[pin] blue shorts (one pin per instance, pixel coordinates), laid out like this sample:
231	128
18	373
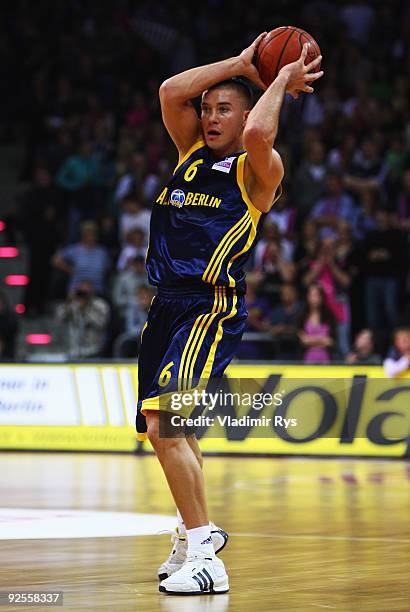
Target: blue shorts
191	335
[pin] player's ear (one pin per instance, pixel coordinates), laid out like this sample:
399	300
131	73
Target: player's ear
245	117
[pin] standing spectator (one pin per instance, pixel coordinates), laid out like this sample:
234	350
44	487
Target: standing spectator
306	248
79	177
363	350
87	317
398	358
382	261
309	181
367	170
403	203
84	261
8	329
38	218
316	328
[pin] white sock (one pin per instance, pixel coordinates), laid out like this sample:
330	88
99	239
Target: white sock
181	524
200	540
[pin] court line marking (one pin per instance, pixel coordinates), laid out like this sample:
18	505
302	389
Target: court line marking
290	536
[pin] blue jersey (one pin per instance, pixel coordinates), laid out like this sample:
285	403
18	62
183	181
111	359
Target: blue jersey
203	223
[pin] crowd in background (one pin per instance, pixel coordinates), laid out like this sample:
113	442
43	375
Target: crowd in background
329	277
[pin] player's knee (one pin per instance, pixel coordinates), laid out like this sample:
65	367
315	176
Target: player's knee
152	418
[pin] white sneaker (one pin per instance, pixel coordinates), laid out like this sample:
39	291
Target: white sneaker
199	575
177	555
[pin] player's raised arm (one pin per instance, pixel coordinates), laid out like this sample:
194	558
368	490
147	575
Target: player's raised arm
264	169
176	93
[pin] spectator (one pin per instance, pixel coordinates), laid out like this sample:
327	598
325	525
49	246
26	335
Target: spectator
134	216
136	316
382	261
283	216
398	358
335	281
126	283
363	350
258	319
85	260
86	317
284	322
134	246
38	219
79	177
309	181
367	170
306	248
272	261
316	327
403	203
8	329
335	205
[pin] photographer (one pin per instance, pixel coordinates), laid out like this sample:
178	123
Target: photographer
87	318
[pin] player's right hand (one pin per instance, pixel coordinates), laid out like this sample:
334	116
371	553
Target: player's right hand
248	68
300	75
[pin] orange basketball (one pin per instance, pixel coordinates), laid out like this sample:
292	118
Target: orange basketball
280	47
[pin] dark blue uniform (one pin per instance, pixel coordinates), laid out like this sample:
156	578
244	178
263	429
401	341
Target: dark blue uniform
203	226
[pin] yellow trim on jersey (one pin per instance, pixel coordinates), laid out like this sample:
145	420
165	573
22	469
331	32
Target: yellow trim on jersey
220	308
235	238
240	177
206	372
200	143
217	253
191	341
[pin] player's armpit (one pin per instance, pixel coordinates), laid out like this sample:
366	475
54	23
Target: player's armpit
180	118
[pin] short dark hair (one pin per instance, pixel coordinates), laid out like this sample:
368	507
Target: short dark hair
241	85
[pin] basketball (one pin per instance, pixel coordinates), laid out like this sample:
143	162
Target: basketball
280	47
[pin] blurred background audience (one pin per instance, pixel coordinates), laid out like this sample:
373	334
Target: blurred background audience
329	279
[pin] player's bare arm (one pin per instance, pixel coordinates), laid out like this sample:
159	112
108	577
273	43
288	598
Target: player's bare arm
264	168
179	115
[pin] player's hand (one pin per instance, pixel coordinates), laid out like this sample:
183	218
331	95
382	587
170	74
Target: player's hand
248	68
300	75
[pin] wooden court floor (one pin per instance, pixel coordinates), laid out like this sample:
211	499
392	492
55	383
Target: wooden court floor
306	534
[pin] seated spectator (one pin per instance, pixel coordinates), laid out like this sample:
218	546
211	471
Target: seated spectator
134	216
398	358
335	205
138	308
363	350
284	322
316	327
84	261
272	262
306	248
403	203
8	329
128	343
134	246
283	215
334	278
86	317
126	283
257	321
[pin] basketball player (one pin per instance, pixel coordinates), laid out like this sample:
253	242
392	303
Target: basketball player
203	225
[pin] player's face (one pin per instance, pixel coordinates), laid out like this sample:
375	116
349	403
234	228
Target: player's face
223	117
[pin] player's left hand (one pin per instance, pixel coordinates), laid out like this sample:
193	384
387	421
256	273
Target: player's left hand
300	75
248	68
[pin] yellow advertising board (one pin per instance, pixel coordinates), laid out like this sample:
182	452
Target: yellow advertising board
313	410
